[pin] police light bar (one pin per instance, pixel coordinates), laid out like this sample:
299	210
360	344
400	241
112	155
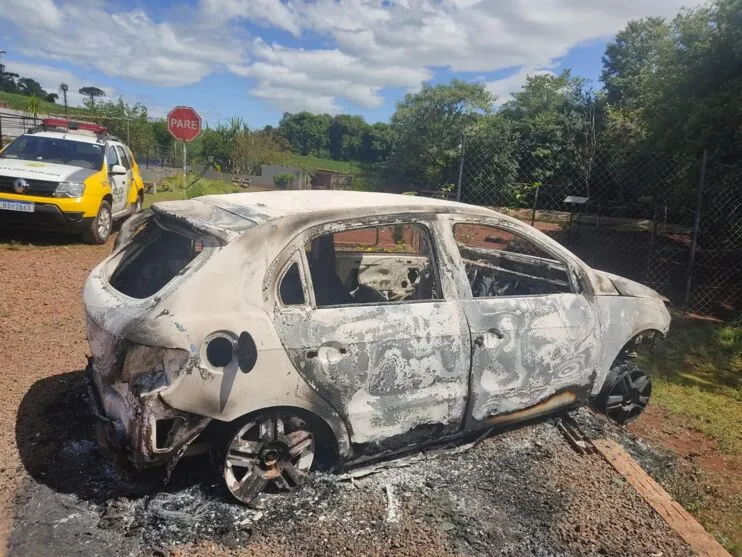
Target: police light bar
70	125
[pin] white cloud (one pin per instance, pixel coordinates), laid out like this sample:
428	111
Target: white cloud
267	12
502	89
367	45
383	43
289	77
125	44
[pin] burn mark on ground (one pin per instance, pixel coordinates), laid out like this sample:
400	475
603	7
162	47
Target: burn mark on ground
524	492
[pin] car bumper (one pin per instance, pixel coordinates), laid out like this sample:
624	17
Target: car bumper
139	431
45	217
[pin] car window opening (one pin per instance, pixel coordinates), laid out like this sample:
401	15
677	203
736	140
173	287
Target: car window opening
153	257
373	265
290	289
500	263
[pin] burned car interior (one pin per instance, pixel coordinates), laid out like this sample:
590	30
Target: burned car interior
156	254
499	263
370	265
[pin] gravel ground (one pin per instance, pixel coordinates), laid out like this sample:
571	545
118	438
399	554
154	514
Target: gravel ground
523	492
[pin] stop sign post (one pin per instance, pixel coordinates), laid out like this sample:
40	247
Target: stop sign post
184	124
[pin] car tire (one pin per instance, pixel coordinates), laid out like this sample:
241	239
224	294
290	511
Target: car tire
100	227
272	449
625	393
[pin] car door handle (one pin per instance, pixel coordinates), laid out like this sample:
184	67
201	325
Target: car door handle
330	345
497	332
479	339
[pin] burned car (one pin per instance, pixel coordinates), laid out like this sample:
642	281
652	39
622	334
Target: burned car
275	327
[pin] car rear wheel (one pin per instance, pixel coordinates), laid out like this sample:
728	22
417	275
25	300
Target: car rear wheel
272	449
625	393
101	226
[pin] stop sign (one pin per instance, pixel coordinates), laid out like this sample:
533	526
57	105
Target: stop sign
184	123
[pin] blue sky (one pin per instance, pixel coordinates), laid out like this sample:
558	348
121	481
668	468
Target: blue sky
259	58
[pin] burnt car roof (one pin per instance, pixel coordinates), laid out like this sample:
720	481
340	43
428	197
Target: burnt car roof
232	214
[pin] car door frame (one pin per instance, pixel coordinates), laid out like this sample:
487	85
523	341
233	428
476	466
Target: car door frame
394	427
117	182
489	404
129	172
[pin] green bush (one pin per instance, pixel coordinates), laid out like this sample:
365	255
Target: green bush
283	180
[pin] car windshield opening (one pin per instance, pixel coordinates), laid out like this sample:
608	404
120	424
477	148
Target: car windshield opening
56	151
156	254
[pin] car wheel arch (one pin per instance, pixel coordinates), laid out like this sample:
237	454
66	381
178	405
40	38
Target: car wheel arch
626	349
331	438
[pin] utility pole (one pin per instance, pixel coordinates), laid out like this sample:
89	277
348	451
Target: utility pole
64	88
2	70
2	66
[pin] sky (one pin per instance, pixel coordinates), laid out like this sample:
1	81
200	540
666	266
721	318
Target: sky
257	59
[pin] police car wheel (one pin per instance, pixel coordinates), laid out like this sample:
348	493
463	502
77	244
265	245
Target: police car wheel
101	226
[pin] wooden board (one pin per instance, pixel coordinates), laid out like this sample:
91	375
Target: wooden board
687	527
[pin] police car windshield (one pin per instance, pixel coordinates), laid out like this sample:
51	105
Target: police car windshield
56	151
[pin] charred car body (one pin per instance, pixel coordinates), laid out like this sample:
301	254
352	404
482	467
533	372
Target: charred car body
270	325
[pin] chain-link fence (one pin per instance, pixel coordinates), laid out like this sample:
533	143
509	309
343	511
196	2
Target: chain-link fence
673	223
136	133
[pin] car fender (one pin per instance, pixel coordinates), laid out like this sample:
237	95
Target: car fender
621	319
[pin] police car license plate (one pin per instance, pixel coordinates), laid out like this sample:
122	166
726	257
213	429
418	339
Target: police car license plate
22	206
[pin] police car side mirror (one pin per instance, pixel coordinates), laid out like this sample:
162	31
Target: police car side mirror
117	169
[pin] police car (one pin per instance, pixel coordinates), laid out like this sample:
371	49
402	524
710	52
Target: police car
70	176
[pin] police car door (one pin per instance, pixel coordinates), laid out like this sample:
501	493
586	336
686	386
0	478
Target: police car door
118	181
126	163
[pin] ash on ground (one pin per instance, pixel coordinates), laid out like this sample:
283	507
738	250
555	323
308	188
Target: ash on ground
522	492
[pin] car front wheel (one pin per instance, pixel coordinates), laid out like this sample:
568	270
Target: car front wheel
273	449
101	226
625	393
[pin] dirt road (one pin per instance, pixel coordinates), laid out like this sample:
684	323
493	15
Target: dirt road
519	493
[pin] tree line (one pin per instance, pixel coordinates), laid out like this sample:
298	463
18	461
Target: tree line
668	86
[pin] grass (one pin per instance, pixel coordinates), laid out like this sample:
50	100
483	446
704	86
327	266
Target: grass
19	102
697	373
172	188
309	162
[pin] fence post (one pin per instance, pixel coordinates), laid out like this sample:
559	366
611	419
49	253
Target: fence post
1	131
696	225
461	168
535	205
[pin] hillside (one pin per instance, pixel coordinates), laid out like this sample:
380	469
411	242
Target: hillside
20	102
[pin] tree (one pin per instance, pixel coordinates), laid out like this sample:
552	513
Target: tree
33	106
51	97
253	149
30	87
580	117
63	88
345	137
632	59
536	113
429	126
8	82
678	82
307	133
91	93
376	143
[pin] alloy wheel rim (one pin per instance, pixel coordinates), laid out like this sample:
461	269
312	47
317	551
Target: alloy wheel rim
628	397
104	223
274	449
